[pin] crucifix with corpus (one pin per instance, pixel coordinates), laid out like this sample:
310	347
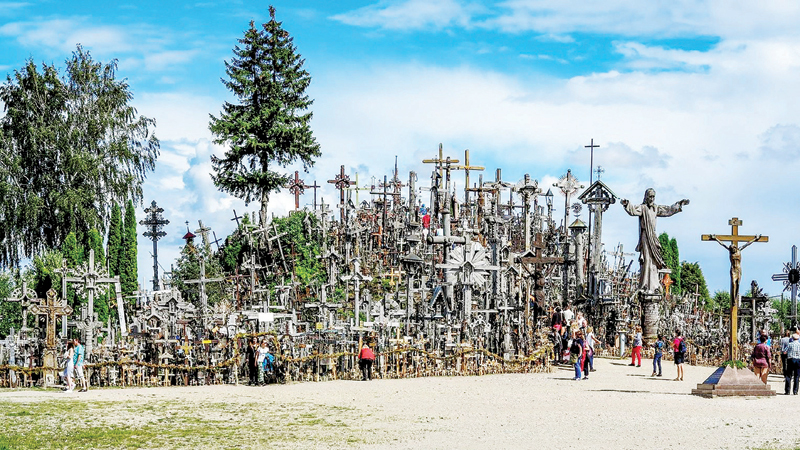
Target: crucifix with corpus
736	271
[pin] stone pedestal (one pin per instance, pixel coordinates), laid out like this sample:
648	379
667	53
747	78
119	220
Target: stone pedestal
730	382
650	315
49	360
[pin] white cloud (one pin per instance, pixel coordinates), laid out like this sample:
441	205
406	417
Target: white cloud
410	15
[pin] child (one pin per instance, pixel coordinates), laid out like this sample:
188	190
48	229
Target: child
659	347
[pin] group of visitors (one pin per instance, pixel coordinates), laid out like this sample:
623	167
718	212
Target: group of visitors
659	346
790	360
74	358
260	362
575	334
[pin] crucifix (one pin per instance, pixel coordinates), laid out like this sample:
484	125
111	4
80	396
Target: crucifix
736	271
154	222
539	274
790	278
52	309
341	182
297	187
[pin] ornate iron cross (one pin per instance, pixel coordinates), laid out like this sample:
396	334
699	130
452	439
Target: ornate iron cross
154	222
790	278
297	187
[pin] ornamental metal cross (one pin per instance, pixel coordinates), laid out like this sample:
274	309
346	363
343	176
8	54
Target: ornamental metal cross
26	297
297	187
341	182
154	222
736	271
790	278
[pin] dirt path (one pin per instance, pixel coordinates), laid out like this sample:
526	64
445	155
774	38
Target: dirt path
619	407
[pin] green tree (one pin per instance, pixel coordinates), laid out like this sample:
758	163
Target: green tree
72	252
694	281
127	258
300	239
187	267
101	299
269	125
114	245
669	250
720	301
69	146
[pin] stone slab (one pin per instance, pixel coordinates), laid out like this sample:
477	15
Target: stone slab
731	382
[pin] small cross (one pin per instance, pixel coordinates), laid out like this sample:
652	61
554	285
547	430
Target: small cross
236	218
591	146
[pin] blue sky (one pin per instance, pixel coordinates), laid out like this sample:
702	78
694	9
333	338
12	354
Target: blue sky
694	98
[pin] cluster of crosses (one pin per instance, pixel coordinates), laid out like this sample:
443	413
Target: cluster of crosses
483	266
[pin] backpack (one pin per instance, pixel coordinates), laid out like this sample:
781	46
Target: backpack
575	348
682	346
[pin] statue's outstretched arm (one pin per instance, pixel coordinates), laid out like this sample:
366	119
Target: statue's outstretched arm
750	242
714	237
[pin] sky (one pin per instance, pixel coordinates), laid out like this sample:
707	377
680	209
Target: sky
697	99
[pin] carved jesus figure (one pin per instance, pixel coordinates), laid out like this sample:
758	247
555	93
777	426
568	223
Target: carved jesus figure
736	263
650	256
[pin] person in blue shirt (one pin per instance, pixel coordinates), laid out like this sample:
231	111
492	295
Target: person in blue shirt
659	347
78	360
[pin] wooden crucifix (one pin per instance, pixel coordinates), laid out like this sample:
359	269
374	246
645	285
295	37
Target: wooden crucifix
52	309
736	271
537	259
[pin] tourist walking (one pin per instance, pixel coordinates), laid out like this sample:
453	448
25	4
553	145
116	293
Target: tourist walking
365	360
557	322
69	354
250	355
679	351
658	345
587	354
785	348
78	360
591	339
575	355
762	358
262	355
792	364
636	352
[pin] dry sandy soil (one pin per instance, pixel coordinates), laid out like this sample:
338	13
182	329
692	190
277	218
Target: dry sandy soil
619	407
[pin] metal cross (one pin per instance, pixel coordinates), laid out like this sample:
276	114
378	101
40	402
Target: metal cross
154	222
790	278
315	186
591	146
236	218
297	187
341	182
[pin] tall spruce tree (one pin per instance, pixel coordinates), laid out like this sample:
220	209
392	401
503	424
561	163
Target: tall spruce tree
694	281
114	245
269	126
127	265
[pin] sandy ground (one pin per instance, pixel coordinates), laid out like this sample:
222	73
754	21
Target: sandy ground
619	407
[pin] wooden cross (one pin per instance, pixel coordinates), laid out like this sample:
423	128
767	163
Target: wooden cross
441	162
297	187
736	271
356	189
341	182
466	168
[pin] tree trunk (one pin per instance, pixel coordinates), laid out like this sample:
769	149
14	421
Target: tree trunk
263	213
